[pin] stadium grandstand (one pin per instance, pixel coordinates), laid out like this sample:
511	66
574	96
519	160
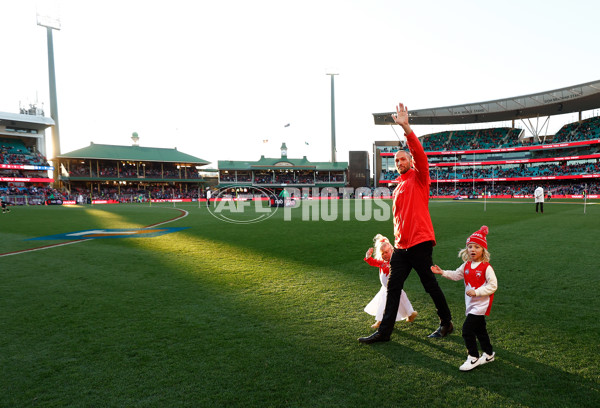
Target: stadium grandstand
24	170
113	173
97	173
504	161
275	174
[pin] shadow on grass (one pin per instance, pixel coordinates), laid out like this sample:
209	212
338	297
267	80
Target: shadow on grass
517	378
297	302
233	318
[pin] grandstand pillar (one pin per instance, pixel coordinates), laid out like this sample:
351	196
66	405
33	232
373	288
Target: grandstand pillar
537	129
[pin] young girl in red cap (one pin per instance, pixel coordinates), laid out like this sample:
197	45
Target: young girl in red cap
480	285
383	250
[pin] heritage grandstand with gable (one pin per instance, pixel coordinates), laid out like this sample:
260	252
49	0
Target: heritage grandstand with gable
503	161
276	174
116	173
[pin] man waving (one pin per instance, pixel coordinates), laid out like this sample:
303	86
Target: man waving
414	236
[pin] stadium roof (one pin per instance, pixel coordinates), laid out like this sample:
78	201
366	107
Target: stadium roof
27	121
283	163
576	98
132	153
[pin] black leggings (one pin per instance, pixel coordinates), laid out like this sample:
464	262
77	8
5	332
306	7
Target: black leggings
403	261
475	329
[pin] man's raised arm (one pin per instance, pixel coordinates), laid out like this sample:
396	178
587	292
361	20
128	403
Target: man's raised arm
414	145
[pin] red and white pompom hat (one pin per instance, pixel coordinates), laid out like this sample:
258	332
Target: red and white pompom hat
478	237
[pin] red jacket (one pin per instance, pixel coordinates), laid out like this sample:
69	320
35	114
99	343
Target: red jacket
384	266
412	222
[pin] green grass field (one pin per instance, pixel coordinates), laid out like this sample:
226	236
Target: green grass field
268	314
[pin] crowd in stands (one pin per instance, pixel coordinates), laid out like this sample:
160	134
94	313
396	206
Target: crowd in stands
517	189
566	152
27	190
576	131
24	173
240	177
436	142
129	194
321	178
480	139
588	129
465	172
283	177
512	172
32	195
15	152
306	179
11	173
263	178
390	149
127	172
471	139
38	195
388	175
510	189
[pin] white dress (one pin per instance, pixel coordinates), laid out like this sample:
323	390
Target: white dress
376	306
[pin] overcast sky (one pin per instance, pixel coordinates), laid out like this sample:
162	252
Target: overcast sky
217	78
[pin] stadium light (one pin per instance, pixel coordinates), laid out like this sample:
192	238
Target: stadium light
52	23
48	21
332	118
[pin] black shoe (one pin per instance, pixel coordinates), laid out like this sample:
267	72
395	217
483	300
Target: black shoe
442	331
374	338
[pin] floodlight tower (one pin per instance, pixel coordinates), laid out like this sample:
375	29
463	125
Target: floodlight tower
52	23
332	119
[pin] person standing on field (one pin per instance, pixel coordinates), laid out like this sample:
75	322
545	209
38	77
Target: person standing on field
413	233
538	194
480	285
380	256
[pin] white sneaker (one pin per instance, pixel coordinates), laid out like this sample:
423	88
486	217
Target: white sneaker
486	358
471	363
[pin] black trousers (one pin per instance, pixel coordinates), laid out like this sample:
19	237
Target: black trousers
475	329
540	205
419	258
